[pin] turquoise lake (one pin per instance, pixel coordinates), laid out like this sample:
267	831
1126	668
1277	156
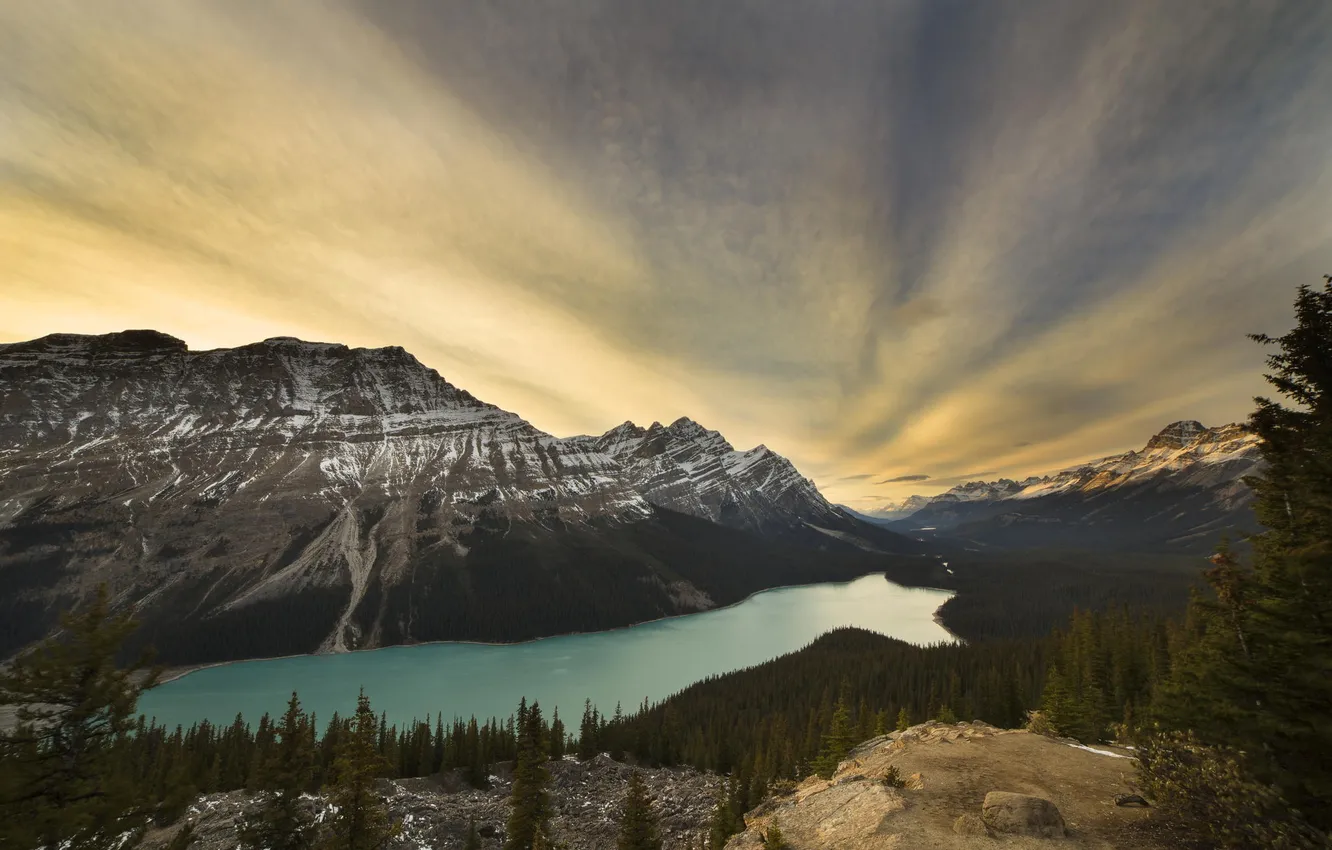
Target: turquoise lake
650	660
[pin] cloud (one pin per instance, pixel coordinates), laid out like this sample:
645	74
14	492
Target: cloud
1008	236
901	478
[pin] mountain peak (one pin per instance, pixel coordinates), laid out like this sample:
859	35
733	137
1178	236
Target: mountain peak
1177	435
141	341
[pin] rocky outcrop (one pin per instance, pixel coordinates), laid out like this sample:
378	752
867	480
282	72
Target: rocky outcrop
967	785
434	813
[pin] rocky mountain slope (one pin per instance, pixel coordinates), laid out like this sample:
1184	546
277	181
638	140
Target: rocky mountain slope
289	496
966	786
1180	492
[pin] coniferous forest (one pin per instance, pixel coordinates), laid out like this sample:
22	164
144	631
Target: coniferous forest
1226	698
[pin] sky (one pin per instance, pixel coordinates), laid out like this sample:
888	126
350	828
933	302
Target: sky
905	244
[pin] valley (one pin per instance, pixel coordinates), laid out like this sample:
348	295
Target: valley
591	424
292	498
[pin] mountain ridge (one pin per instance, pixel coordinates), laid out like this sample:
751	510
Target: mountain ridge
369	499
1185	483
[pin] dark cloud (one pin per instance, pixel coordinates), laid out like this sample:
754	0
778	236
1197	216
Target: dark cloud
902	478
859	477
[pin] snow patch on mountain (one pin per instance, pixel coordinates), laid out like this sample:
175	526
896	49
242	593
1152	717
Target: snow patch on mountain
1183	454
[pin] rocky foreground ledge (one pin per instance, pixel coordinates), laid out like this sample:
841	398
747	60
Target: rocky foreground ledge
963	786
968	785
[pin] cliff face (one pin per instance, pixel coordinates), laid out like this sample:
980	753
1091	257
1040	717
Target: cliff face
291	496
948	772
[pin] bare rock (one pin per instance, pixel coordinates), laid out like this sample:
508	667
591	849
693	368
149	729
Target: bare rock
1021	814
434	813
971	826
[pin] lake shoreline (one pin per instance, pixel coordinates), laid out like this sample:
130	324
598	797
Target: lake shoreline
172	674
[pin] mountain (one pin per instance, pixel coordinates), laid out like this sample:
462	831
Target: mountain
889	511
289	496
1181	492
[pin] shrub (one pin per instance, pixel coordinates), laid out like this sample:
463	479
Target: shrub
1208	792
1038	723
781	787
773	840
892	777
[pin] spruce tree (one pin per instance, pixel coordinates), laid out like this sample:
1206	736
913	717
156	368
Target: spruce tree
903	719
1256	673
283	823
638	823
556	736
837	741
361	822
477	769
587	733
529	817
1063	709
73	700
724	822
881	723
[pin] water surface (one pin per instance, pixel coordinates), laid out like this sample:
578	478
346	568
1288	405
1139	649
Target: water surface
650	660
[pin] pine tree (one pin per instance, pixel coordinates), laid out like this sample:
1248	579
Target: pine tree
837	741
477	775
1257	668
361	822
587	733
282	823
1061	706
556	736
724	823
73	701
903	719
529	817
881	723
638	823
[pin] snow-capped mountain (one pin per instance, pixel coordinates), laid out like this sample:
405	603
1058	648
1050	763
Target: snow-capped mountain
893	510
1181	491
688	468
361	496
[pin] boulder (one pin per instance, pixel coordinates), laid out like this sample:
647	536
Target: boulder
1020	814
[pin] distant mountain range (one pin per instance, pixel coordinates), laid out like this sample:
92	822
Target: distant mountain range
1181	492
290	496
